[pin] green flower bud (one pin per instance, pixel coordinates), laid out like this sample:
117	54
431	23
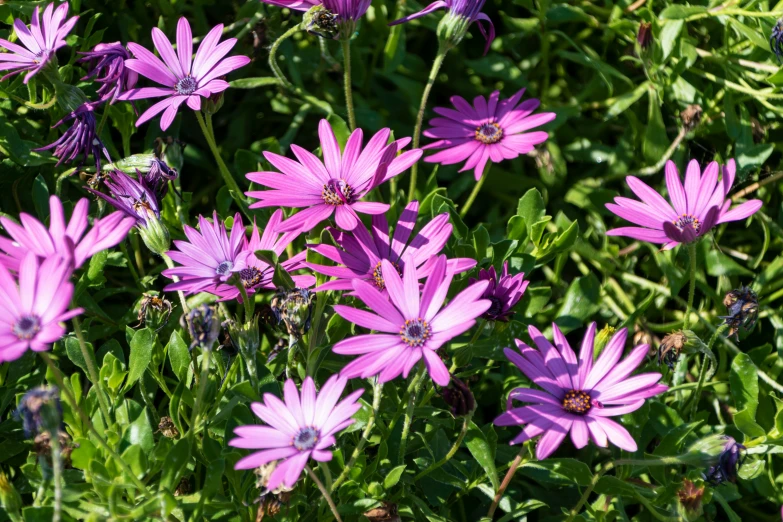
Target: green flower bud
321	22
214	102
603	338
295	309
155	235
452	29
9	497
129	165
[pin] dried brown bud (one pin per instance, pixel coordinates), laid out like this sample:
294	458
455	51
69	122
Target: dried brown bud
670	348
385	513
167	427
42	446
183	488
691	117
690	496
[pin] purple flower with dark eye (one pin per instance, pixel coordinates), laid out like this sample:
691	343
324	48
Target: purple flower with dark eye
504	292
107	67
40	41
185	78
134	198
80	138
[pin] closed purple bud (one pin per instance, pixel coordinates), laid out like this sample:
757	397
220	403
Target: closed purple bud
107	67
80	138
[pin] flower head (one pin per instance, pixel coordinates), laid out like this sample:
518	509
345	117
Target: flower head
185	78
302	427
130	196
490	129
294	308
32	309
742	308
459	398
297	5
59	238
411	322
107	67
335	186
729	462
504	292
40	41
80	138
578	396
363	250
158	177
695	208
203	324
40	410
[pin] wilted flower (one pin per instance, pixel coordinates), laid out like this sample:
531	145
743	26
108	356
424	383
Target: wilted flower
42	446
388	512
670	348
690	496
203	325
454	26
158	177
729	462
294	308
41	411
40	41
459	398
742	307
321	22
167	427
644	36
504	292
107	67
80	138
776	39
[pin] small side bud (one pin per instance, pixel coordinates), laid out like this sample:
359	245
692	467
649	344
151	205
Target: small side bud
203	326
459	398
9	497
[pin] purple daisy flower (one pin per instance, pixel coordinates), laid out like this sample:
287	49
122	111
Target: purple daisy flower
297	5
80	138
698	206
412	322
490	129
33	309
578	396
336	187
363	251
107	67
347	9
40	41
157	178
59	238
504	292
185	79
134	198
302	427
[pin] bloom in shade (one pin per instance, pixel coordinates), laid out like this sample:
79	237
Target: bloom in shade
490	129
363	251
40	41
184	78
33	310
80	138
411	322
335	186
729	462
61	238
577	396
132	197
302	427
695	208
504	292
107	67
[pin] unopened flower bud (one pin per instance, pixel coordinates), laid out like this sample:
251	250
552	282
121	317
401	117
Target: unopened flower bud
322	22
603	337
155	235
459	398
452	29
203	325
245	337
721	455
644	36
214	102
670	348
41	410
9	497
294	308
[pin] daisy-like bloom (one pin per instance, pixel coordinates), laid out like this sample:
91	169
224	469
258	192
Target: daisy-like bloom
33	309
335	186
80	138
40	41
411	322
363	251
490	129
185	79
132	197
61	238
578	396
302	427
504	292
697	207
460	14
107	67
297	5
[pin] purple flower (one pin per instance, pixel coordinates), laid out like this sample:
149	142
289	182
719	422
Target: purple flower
729	462
504	292
363	251
80	138
412	324
59	238
347	9
109	60
490	129
134	198
578	396
698	206
32	310
184	78
158	177
302	427
40	41
297	5
336	187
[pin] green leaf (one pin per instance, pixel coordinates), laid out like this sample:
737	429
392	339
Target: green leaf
179	356
482	451
559	471
751	34
74	352
139	433
175	464
655	140
624	101
340	128
253	83
681	12
669	33
140	355
744	384
531	208
581	302
393	477
41	197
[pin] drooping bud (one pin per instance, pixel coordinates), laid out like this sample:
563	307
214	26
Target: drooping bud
742	307
690	505
156	236
644	36
729	462
80	139
41	410
459	398
776	39
320	21
203	325
294	308
9	497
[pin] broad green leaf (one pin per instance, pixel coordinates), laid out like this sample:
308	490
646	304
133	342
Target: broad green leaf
179	355
140	355
558	471
744	384
482	451
393	477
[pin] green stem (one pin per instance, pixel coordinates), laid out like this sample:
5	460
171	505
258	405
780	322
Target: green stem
692	285
104	116
436	65
512	469
703	371
450	454
476	190
376	405
202	387
57	468
250	304
276	70
418	380
183	302
93	371
324	492
346	43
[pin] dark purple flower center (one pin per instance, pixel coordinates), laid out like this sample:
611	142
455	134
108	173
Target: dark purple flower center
377	275
577	402
489	133
337	192
306	439
26	327
415	332
186	85
250	276
224	268
687	220
496	308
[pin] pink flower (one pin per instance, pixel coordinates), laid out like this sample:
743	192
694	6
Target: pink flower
59	238
302	427
297	5
504	292
490	129
40	41
335	186
32	310
412	325
185	79
363	251
698	206
578	396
